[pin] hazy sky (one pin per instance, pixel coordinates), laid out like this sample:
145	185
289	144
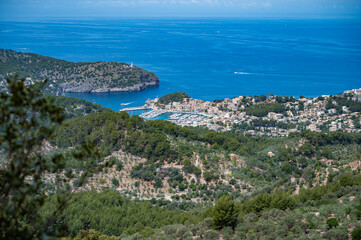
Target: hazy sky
180	8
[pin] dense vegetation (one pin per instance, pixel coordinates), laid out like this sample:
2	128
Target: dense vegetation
261	110
112	214
274	215
113	131
173	97
162	142
27	120
65	76
338	102
257	123
75	107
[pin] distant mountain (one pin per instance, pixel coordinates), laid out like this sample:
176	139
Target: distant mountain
65	76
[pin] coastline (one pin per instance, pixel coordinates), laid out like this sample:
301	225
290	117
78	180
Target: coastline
68	88
272	116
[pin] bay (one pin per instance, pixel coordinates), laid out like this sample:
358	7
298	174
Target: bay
200	56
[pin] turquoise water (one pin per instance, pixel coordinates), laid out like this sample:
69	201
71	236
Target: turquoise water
164	116
199	56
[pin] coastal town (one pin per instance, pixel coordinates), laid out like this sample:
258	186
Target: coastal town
269	115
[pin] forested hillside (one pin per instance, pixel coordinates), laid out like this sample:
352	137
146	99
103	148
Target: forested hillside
332	211
112	214
302	177
210	156
65	76
125	178
75	107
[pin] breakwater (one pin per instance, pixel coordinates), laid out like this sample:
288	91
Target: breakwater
133	109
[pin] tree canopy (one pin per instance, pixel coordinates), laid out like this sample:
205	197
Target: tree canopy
27	121
225	213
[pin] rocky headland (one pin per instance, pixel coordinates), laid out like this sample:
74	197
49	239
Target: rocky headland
64	76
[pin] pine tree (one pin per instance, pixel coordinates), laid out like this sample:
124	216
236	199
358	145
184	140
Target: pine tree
225	213
27	120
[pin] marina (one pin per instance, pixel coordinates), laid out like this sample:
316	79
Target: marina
152	114
179	118
188	119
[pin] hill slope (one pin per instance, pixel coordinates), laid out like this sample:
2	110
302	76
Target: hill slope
65	76
292	193
75	107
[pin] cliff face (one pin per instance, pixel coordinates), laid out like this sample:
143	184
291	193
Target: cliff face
67	76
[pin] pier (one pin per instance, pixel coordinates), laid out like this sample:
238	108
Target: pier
133	109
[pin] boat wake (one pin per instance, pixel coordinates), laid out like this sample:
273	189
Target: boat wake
243	73
125	104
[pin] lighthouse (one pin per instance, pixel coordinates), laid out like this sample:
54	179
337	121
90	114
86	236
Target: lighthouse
131	64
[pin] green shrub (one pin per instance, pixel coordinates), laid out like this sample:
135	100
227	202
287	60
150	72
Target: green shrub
115	182
356	234
93	234
181	186
211	235
332	222
227	233
232	181
119	166
101	180
336	234
346	180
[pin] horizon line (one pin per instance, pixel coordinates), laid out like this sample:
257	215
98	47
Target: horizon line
356	16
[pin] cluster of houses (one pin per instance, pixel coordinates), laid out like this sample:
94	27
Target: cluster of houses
300	114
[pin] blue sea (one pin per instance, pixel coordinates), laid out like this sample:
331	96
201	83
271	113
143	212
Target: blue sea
290	57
